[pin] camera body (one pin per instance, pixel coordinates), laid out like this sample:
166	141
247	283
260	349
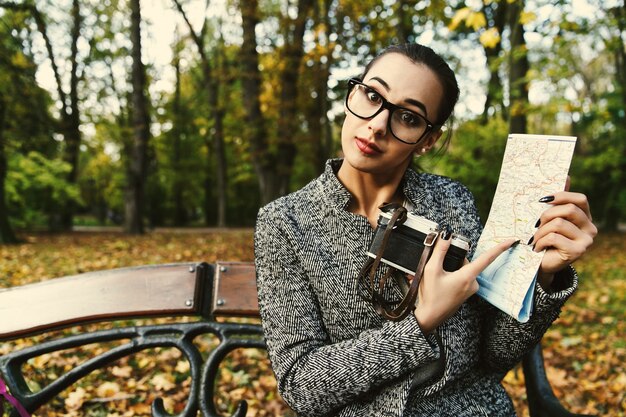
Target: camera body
407	241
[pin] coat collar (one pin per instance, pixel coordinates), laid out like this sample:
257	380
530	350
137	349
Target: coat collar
338	196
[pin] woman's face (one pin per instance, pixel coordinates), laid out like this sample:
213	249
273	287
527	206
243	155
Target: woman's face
368	145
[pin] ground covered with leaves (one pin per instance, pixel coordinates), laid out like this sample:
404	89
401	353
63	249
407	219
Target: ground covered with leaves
585	351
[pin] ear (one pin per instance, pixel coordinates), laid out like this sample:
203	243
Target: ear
428	142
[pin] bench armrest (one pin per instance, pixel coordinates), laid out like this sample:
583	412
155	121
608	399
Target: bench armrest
541	399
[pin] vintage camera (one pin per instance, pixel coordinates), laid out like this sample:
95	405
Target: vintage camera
407	241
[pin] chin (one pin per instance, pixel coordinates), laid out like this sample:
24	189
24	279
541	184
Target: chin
366	164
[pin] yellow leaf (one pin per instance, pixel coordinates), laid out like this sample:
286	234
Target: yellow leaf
490	38
476	20
459	17
122	372
527	17
75	400
108	389
143	362
19	60
162	382
182	367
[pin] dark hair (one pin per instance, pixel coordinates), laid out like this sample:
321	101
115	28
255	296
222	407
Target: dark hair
421	54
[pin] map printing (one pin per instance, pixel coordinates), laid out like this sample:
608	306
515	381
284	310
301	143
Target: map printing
534	166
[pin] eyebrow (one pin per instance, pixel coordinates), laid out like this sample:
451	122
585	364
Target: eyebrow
412	101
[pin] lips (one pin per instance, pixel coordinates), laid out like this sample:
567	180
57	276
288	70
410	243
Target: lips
367	147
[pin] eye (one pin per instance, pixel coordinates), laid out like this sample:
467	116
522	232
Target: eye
410	119
373	96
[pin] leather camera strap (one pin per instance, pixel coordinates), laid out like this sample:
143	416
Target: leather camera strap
375	292
367	274
398	216
407	304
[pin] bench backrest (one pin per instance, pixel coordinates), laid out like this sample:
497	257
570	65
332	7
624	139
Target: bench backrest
185	289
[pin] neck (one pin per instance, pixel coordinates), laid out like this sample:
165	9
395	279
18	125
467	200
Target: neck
370	190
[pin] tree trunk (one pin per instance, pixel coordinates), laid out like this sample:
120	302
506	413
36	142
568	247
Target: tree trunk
319	125
71	120
493	99
6	231
288	118
518	70
179	207
404	12
211	86
218	137
614	211
141	131
70	115
263	160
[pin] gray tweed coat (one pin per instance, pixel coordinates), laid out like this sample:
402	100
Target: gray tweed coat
334	356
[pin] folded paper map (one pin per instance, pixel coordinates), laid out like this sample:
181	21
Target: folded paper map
534	166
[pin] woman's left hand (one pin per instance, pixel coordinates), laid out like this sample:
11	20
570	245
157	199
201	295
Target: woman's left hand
565	232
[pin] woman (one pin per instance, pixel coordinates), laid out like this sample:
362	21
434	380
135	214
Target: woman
331	352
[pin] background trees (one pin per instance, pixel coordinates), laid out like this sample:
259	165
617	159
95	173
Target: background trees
248	104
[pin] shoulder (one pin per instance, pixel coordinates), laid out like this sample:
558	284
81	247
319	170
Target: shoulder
445	201
439	185
286	207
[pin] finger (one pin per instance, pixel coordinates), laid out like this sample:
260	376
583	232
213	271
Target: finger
560	226
570	212
567	197
568	250
574	246
479	264
441	248
568	182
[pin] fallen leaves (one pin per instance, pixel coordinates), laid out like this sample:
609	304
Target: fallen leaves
75	399
585	351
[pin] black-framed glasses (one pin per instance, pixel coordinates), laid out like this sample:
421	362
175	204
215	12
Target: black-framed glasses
405	125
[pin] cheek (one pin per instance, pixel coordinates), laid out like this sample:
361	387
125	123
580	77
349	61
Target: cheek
347	129
401	150
402	155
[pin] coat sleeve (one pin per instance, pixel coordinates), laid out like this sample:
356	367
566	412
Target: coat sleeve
504	340
317	377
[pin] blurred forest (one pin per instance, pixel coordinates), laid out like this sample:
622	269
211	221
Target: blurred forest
249	104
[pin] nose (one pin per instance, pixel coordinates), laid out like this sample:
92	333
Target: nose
378	124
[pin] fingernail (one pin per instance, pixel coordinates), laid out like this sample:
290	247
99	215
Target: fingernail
531	240
546	199
538	223
446	233
514	244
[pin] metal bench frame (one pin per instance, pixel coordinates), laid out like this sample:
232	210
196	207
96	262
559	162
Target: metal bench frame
185	289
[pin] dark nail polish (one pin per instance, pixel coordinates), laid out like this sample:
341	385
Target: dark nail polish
538	223
531	240
514	244
446	233
546	199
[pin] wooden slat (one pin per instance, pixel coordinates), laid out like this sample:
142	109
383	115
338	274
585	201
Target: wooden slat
235	291
126	292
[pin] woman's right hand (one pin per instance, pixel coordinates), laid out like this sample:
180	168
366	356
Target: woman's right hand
441	293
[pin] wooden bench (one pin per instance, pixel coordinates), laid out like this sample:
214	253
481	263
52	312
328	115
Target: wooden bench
207	291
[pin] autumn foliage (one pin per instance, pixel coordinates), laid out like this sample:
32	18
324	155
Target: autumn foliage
585	351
